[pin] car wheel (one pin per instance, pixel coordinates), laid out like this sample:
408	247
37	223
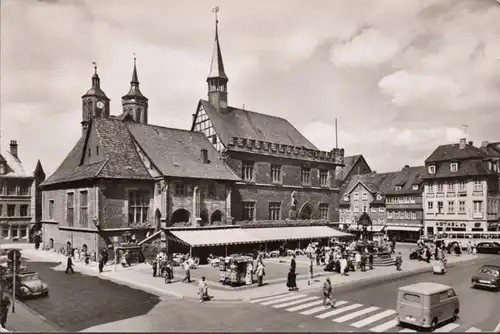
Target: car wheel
455	315
434	324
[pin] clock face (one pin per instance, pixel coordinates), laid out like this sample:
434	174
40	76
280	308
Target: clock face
100	104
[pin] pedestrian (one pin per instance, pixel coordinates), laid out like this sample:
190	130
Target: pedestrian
399	261
328	293
4	310
343	266
154	265
203	290
357	259
37	241
168	270
293	264
101	264
363	262
127	258
311	270
393	245
69	265
291	281
469	248
260	273
427	255
105	256
370	260
187	271
458	249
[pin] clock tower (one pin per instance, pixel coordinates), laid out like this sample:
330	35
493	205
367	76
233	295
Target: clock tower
95	103
217	78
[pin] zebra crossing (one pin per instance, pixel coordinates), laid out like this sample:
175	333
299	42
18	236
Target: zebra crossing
359	316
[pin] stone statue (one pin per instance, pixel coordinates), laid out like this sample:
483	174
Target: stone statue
294	200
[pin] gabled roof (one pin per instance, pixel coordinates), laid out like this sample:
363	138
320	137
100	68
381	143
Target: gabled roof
14	165
349	163
371	182
174	152
177	152
406	178
454	152
251	125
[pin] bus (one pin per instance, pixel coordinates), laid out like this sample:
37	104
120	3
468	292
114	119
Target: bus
463	238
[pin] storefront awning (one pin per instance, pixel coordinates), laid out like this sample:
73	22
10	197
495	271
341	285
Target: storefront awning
294	233
374	228
403	228
214	237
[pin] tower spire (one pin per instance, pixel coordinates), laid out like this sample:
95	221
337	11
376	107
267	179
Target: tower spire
134	102
217	65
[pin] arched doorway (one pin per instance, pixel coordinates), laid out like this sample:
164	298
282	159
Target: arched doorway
216	217
306	211
204	217
158	219
180	216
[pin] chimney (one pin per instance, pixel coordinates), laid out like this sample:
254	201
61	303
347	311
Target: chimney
471	143
204	156
484	143
406	167
13	148
463	143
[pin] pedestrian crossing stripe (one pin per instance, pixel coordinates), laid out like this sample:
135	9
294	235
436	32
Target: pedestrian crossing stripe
364	316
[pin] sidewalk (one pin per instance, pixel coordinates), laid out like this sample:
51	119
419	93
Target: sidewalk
26	320
139	277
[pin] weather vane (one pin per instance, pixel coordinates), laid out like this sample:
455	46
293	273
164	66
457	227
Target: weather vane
215	10
465	129
95	66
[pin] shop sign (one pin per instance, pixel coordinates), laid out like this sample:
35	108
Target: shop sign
450	224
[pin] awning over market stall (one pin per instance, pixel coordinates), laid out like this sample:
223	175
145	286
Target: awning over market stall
215	237
374	228
404	228
294	233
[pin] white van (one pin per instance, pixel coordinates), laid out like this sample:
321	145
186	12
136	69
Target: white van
427	304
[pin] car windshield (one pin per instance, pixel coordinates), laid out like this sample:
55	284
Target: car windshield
30	278
490	272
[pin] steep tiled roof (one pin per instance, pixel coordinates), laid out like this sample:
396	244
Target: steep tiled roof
406	178
492	150
372	181
177	152
251	125
70	168
14	165
349	163
465	168
174	152
454	152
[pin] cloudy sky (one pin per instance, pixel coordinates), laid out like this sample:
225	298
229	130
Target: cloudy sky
401	76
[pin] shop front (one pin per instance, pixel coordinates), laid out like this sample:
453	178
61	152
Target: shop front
404	233
433	228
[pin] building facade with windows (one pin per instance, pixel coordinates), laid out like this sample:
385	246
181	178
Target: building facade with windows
19	203
462	188
273	159
403	200
126	175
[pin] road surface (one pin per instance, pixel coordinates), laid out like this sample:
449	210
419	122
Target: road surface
77	301
373	308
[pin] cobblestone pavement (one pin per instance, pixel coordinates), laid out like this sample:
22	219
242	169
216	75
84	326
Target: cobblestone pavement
77	301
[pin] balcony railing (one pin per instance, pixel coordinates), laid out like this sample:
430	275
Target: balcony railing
450	194
477	193
440	194
477	215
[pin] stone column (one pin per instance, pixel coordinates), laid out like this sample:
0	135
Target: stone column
196	206
228	220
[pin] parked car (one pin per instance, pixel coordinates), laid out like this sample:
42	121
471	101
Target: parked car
487	276
488	248
28	284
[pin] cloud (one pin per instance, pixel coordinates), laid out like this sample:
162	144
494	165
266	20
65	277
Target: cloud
401	76
410	88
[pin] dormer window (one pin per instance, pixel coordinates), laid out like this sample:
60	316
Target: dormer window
453	167
379	197
398	188
431	169
346	198
415	187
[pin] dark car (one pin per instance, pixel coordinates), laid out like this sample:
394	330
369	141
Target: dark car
488	248
28	284
487	276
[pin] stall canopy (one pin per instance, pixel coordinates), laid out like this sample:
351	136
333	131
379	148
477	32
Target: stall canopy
214	237
404	228
374	228
294	233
